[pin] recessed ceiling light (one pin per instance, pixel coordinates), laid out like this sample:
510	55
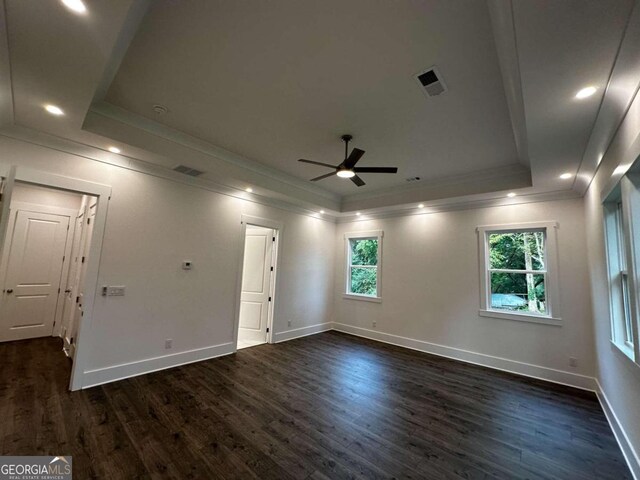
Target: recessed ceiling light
114	150
322	212
358	213
421	205
75	5
511	194
566	176
248	189
346	173
586	92
53	110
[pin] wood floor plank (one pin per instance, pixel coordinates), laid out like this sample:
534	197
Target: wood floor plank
328	406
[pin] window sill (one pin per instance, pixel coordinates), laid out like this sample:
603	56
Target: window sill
520	317
352	296
625	350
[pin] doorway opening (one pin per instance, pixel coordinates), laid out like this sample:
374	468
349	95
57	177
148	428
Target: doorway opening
43	263
257	291
51	232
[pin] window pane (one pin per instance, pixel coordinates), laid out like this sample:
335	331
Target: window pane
364	251
364	280
628	330
517	250
622	253
520	292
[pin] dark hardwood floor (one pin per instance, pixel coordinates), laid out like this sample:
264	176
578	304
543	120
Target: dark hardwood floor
328	406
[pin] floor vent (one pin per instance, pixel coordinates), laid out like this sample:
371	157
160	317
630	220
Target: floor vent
431	82
192	172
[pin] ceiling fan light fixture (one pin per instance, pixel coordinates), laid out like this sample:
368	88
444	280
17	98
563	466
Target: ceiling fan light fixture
346	173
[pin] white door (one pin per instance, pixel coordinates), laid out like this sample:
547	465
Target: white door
79	312
33	274
71	291
256	275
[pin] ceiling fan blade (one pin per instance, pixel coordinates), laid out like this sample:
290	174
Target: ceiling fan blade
353	158
376	169
357	180
322	176
317	163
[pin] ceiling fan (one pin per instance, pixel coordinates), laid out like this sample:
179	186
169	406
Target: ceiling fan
347	168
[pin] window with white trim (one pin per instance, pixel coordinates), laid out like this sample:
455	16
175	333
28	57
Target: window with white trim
363	269
617	234
518	277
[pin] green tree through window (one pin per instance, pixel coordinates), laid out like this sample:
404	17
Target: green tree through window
363	266
518	272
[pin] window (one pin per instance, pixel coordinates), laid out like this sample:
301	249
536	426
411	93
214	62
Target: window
517	272
363	255
624	277
622	332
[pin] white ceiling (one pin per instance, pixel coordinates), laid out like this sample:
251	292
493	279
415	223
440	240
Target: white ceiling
253	86
277	81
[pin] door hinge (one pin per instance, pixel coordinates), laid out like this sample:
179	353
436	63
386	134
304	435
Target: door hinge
58	290
267	329
63	257
88	221
273	239
269	298
77	299
272	269
82	259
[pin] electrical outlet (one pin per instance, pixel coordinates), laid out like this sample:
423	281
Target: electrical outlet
573	362
168	343
289	323
374	324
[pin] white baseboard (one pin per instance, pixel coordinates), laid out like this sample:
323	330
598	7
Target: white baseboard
630	455
92	378
302	332
498	363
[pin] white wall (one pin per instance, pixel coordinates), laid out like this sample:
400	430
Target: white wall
45	196
618	376
430	282
153	224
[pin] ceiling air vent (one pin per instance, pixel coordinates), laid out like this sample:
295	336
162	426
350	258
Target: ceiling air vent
192	172
431	82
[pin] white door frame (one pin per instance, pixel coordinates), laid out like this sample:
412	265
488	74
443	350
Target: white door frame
277	228
103	194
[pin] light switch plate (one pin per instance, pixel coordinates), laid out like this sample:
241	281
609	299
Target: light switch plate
115	291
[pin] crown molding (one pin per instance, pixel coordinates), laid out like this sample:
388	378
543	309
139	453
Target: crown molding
459	203
504	35
89	152
488	181
619	96
125	117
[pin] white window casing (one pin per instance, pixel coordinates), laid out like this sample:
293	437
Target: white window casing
372	234
552	293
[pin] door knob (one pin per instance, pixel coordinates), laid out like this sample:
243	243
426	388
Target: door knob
10	290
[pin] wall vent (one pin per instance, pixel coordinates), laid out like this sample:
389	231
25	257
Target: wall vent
192	172
431	82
